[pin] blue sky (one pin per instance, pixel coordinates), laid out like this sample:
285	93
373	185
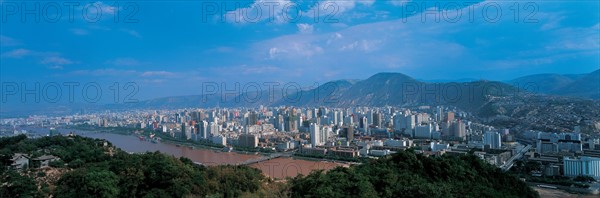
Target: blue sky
171	47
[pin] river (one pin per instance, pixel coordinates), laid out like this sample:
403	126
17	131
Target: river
278	168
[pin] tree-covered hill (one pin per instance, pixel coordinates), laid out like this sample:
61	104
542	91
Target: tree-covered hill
407	174
92	171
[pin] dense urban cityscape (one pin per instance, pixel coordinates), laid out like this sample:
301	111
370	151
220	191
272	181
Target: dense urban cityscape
344	136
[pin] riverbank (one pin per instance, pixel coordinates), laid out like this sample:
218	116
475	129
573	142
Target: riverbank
170	140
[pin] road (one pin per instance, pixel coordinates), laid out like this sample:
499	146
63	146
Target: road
508	164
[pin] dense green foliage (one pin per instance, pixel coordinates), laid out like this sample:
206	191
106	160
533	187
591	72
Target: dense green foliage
407	174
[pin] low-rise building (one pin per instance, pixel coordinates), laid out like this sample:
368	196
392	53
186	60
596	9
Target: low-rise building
584	166
44	160
20	161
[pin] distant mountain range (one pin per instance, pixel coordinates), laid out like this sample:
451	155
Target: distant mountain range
578	85
396	89
382	89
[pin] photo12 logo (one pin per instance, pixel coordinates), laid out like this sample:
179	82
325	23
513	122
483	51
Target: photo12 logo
253	92
454	12
269	11
71	92
69	11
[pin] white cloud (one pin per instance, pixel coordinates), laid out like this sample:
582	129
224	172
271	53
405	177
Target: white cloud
304	28
56	67
362	45
8	41
399	2
44	58
293	49
56	60
102	7
258	69
124	62
103	72
165	74
132	33
78	31
17	53
580	38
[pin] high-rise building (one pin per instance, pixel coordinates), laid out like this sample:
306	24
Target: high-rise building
377	119
363	124
423	131
252	119
196	116
186	131
248	140
220	140
422	118
202	128
439	116
348	120
493	139
213	129
450	117
405	122
316	137
459	129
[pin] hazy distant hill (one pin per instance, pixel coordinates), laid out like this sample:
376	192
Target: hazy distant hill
542	83
396	89
393	89
587	86
579	85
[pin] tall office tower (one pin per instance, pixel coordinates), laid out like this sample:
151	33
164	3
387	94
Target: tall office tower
377	119
396	121
213	129
459	129
177	118
440	114
422	118
321	112
202	129
406	123
347	132
333	117
450	116
315	135
184	131
309	114
369	116
364	124
348	120
287	123
278	123
325	131
291	123
493	139
195	116
251	119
